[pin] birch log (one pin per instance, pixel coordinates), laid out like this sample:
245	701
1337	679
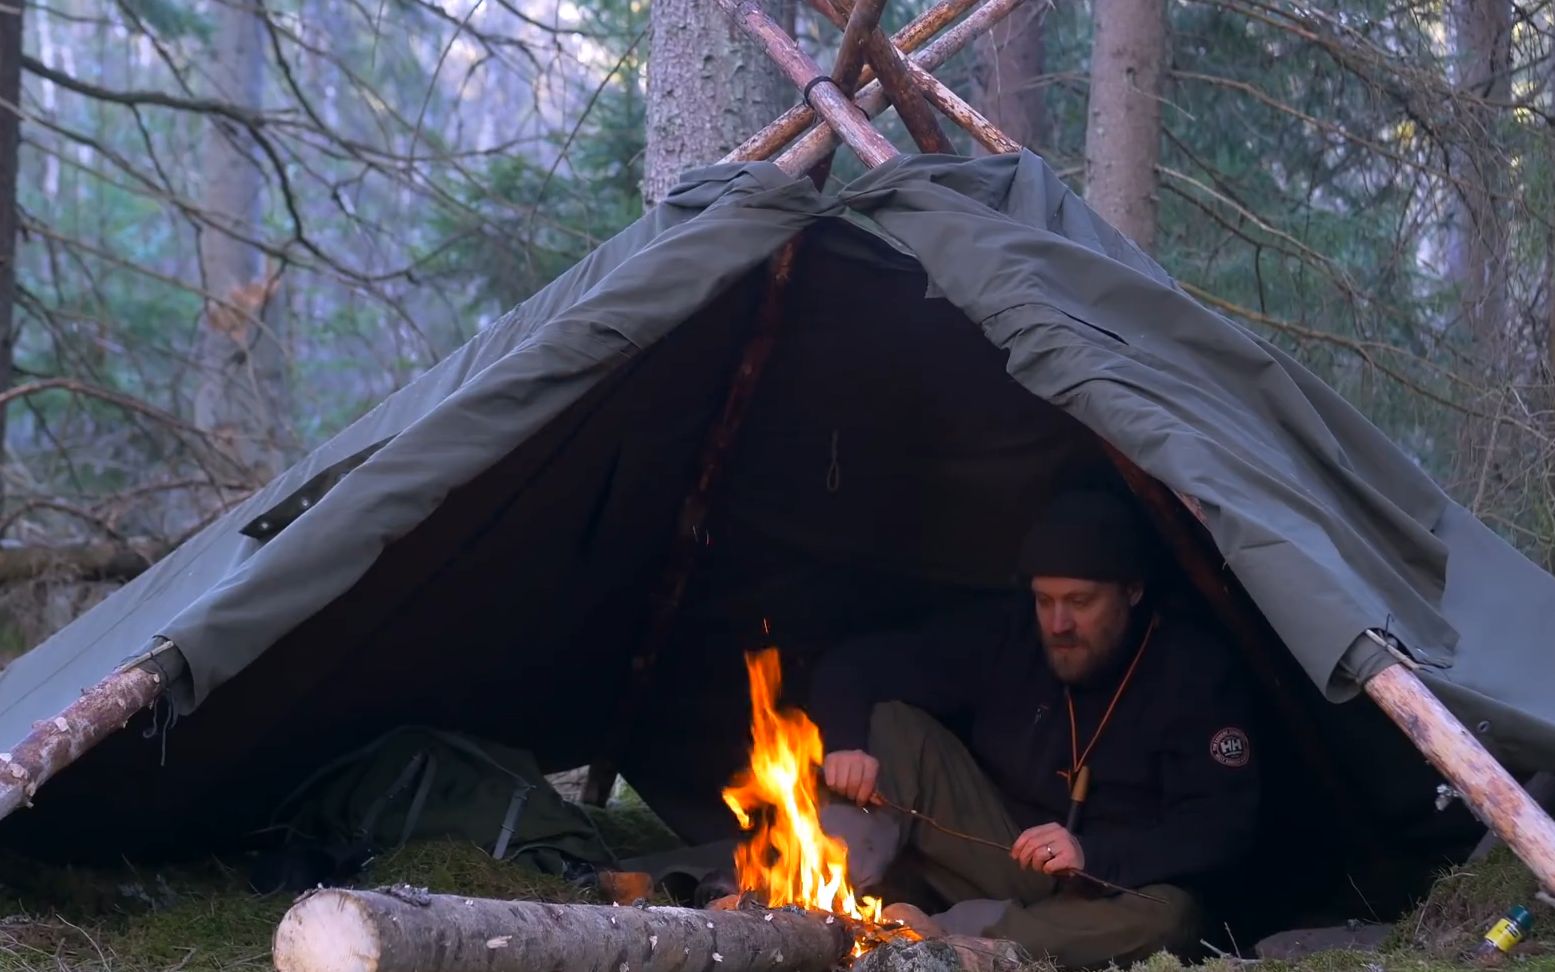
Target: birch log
405	929
56	743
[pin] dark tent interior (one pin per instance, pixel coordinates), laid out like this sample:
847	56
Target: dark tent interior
884	470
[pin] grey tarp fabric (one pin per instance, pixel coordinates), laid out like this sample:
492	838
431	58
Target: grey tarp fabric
1329	526
224	598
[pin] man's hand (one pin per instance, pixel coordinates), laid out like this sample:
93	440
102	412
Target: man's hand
852	772
1048	848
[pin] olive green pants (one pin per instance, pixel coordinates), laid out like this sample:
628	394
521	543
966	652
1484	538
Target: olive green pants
924	766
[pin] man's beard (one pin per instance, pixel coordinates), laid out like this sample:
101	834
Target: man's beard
1080	661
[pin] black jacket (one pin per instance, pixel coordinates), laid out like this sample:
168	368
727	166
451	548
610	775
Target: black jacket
1174	781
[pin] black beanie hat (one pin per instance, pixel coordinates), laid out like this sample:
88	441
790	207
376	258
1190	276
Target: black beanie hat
1087	533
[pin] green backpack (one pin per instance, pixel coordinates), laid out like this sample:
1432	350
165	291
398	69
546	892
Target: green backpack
419	782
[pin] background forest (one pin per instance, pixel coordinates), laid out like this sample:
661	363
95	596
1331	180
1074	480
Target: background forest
239	224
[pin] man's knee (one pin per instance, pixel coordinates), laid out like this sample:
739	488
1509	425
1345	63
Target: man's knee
898	732
898	720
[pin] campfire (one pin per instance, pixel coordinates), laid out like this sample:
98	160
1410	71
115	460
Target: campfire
788	859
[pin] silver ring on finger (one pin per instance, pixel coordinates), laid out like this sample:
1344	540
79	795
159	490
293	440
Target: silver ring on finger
1050	854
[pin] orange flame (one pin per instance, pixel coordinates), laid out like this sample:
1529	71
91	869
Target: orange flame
788	859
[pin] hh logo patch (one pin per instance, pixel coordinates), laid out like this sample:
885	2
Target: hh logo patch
1229	747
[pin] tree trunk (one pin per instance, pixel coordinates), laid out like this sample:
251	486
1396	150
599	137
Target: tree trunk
241	396
1123	124
1010	62
10	131
407	929
1477	234
709	87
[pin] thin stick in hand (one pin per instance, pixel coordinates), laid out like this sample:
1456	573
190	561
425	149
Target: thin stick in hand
1005	847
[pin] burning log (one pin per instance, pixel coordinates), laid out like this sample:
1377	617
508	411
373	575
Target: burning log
403	929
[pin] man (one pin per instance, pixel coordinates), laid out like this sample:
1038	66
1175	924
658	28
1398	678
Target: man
1082	672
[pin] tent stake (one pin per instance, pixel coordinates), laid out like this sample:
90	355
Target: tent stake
1488	789
792	123
690	536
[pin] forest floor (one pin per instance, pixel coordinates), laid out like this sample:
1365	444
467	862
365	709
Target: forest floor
205	918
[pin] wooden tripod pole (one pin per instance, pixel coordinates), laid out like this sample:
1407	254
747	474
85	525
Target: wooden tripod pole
838	110
792	123
910	88
862	37
813	147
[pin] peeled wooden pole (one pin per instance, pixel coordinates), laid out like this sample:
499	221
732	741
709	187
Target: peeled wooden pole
1486	786
56	743
830	103
871	99
957	110
408	930
1541	787
795	120
691	526
864	20
849	63
890	67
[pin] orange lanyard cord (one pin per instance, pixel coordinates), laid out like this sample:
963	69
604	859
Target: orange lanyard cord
1077	758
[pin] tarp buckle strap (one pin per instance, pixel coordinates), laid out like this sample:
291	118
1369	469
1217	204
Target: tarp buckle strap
510	820
810	84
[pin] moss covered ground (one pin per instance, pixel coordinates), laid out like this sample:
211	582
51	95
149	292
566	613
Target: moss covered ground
203	917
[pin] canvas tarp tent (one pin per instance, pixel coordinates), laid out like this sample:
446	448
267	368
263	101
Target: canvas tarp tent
477	551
